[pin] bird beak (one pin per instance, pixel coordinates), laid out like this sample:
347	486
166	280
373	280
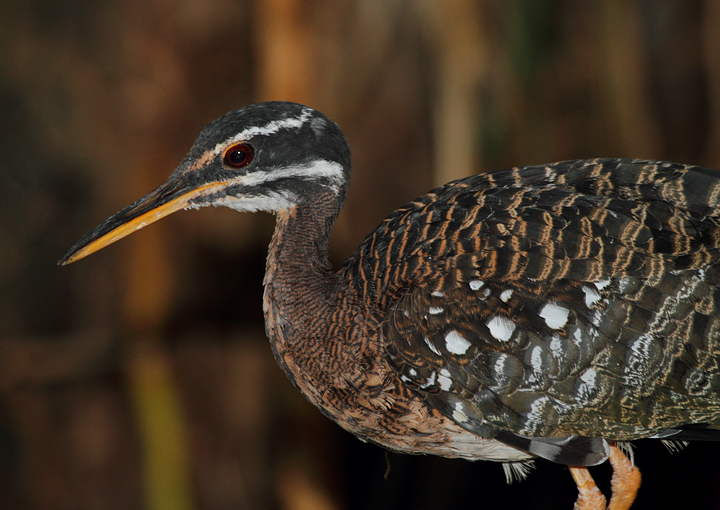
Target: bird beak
172	196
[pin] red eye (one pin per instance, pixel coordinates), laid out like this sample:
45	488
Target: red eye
238	155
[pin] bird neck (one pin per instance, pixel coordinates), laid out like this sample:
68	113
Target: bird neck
299	244
299	278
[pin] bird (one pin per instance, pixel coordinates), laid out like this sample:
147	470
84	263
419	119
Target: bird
556	311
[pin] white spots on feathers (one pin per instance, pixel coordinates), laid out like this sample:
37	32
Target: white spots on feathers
501	363
555	315
578	335
589	382
444	380
506	295
431	345
501	328
435	310
439	294
476	284
538	410
589	376
556	346
592	296
599	314
536	358
430	382
459	413
456	343
601	284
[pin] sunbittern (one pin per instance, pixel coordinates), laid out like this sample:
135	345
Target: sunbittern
550	311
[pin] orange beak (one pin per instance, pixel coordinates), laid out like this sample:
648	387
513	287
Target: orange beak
172	196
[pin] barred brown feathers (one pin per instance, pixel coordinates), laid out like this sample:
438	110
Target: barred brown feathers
578	298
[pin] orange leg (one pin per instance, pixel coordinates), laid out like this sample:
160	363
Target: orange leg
625	484
590	497
625	480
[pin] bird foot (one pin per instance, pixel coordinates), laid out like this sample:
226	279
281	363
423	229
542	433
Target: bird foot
589	497
625	480
625	484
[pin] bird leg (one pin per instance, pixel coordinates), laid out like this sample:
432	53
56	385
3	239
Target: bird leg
625	484
625	480
589	497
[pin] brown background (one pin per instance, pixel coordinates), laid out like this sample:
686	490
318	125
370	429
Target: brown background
140	377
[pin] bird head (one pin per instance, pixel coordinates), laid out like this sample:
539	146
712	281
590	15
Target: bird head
264	157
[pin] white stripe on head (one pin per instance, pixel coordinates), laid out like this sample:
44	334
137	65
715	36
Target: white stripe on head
276	200
271	127
273	202
267	129
318	169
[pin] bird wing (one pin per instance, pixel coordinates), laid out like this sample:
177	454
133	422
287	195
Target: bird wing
551	306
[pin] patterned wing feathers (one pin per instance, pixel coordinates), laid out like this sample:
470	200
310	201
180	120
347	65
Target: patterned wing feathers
566	300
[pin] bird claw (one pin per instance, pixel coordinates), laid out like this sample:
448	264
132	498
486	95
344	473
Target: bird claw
625	484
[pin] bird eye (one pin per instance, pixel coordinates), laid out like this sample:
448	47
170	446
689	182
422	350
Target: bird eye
238	155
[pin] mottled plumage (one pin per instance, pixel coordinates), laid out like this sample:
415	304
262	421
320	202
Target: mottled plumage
579	298
543	311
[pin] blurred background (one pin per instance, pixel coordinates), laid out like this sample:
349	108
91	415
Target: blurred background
140	378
